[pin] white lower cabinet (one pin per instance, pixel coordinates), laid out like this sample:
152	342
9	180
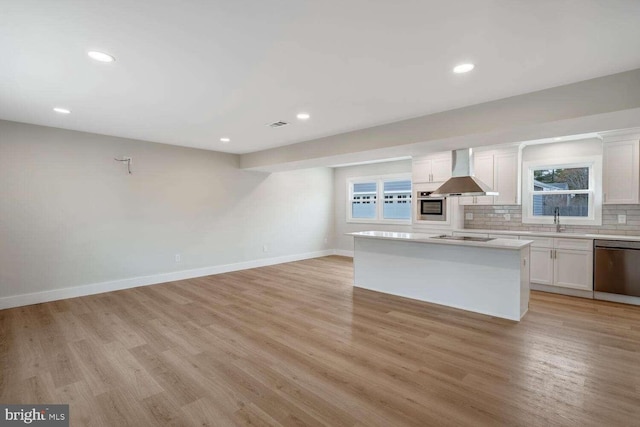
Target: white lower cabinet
573	269
541	265
562	263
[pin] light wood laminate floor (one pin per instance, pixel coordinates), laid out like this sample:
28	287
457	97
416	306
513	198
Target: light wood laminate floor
295	344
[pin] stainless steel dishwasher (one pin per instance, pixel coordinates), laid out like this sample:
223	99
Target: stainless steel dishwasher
616	275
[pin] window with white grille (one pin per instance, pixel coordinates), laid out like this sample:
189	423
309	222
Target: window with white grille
567	188
380	199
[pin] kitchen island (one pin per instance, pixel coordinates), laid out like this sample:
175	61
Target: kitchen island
488	276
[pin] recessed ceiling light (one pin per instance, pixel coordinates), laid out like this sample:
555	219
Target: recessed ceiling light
303	116
100	56
463	68
225	140
62	110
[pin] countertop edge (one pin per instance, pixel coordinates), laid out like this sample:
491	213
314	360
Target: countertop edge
509	244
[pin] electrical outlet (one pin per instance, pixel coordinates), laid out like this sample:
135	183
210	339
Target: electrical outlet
468	216
178	258
507	217
265	248
622	219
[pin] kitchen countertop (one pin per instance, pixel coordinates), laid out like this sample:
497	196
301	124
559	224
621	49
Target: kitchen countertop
429	238
563	234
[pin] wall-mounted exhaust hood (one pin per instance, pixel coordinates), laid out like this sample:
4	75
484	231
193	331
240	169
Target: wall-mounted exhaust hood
462	181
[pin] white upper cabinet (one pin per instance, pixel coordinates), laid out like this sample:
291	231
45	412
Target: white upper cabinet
483	170
441	168
433	168
506	178
620	169
499	170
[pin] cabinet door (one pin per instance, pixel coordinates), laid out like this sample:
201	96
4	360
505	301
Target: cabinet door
441	168
506	178
573	269
483	170
421	170
541	265
620	174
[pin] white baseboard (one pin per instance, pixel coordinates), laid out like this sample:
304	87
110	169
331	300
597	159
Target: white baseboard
133	282
342	252
560	290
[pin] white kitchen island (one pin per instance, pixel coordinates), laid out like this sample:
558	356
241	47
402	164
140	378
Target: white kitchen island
489	277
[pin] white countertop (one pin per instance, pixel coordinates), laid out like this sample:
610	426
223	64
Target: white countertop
429	238
563	234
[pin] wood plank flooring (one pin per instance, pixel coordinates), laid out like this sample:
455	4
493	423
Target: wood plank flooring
295	344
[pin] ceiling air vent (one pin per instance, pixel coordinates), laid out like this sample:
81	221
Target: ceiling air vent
278	124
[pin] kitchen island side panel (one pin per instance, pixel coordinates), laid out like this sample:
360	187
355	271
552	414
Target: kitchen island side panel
482	280
525	279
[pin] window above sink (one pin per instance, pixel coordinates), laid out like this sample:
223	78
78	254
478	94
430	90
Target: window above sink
572	187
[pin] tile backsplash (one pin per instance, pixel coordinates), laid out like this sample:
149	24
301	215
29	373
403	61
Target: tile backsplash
495	218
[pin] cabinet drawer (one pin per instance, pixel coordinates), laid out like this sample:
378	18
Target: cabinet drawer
576	244
539	242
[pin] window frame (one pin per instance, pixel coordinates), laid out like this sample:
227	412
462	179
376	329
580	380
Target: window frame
594	163
379	180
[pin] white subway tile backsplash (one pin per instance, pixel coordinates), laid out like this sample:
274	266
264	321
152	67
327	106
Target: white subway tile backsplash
493	218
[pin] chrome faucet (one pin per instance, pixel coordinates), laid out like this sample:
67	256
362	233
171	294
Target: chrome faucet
556	219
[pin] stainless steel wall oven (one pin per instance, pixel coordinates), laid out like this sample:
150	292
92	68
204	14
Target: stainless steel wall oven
430	208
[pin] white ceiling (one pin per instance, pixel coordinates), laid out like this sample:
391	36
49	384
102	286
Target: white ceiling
188	73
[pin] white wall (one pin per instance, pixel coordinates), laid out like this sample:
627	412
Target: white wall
562	150
340	177
71	216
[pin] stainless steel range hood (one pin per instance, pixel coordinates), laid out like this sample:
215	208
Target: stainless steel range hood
462	181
